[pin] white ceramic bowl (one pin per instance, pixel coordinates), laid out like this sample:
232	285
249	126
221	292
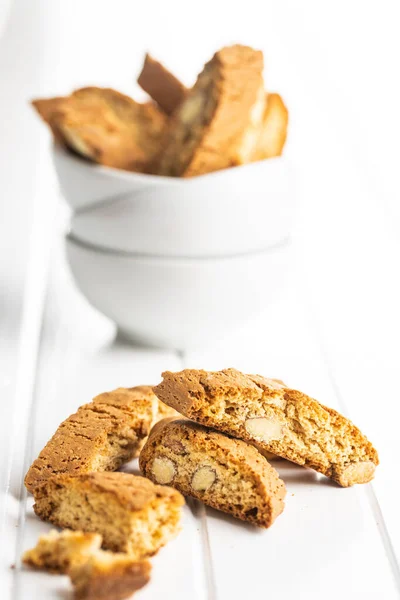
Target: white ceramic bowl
176	303
237	210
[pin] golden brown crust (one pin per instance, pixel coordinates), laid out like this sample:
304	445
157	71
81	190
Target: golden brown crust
217	126
222	472
107	576
273	130
56	551
132	493
106	126
161	85
280	420
100	436
131	513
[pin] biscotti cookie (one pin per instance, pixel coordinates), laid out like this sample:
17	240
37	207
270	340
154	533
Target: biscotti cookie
100	436
222	472
218	124
161	85
131	513
58	551
108	576
165	89
105	126
273	130
280	420
47	108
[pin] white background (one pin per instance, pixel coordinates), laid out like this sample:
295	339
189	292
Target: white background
335	333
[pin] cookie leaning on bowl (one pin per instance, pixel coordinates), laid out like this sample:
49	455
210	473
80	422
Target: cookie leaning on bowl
222	472
165	89
280	420
218	123
105	126
101	435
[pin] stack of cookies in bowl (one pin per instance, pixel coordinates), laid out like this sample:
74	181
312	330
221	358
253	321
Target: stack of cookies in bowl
201	434
178	204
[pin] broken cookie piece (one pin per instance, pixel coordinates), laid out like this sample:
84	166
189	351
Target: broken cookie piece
131	513
106	126
100	436
218	124
278	419
58	551
94	573
109	576
222	472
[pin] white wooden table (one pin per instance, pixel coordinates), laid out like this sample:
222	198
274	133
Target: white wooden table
333	332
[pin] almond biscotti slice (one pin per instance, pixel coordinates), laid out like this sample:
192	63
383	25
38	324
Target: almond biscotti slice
106	126
131	513
100	436
280	420
222	472
161	85
47	108
58	551
218	124
273	130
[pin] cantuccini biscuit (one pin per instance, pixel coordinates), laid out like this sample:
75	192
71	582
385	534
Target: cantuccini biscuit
218	124
280	420
106	126
58	551
131	513
47	108
109	576
273	129
161	85
222	472
100	436
169	93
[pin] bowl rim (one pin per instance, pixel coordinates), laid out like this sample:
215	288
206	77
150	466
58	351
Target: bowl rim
73	240
64	153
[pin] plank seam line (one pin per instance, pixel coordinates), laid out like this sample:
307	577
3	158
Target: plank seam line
211	586
32	328
371	495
